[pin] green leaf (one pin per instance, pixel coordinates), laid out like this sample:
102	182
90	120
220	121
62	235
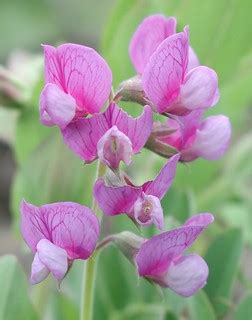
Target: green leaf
200	307
244	309
120	28
14	300
52	173
29	134
223	258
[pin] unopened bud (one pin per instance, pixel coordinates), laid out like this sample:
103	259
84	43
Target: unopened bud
131	90
128	243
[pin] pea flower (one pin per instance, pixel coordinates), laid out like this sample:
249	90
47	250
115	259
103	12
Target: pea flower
112	136
141	204
194	137
57	234
149	35
169	85
78	82
161	259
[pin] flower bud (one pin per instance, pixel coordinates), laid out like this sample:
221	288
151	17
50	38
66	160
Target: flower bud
131	90
128	243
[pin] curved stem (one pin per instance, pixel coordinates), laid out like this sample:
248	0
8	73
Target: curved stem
90	266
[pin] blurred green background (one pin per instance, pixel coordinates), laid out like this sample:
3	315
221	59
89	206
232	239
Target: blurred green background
35	164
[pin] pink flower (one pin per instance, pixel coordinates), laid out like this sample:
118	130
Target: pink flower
142	204
169	85
194	137
162	260
57	234
78	82
111	136
149	35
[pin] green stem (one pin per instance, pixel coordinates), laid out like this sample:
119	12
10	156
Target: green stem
90	267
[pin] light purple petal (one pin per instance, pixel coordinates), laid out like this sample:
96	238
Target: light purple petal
201	219
137	129
212	138
56	107
53	257
156	254
73	227
161	184
33	228
81	72
200	89
39	271
68	225
187	275
83	135
115	200
113	147
147	210
149	34
165	71
193	60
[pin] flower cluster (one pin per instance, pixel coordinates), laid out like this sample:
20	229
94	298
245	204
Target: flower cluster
169	82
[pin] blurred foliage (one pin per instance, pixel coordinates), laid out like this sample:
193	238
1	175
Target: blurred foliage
47	171
14	299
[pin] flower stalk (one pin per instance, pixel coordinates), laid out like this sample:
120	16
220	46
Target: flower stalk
90	267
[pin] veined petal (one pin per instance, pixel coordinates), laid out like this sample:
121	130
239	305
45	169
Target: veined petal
212	138
53	257
83	135
149	34
187	275
115	200
137	129
201	219
165	71
81	72
68	225
156	254
33	228
56	107
39	271
199	90
73	227
161	184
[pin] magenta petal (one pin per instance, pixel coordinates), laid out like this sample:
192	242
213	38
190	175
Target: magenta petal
81	72
200	89
53	257
161	184
73	227
113	147
147	210
56	107
193	60
39	271
83	135
33	228
115	200
149	34
187	275
137	129
156	254
68	225
165	71
212	138
201	219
